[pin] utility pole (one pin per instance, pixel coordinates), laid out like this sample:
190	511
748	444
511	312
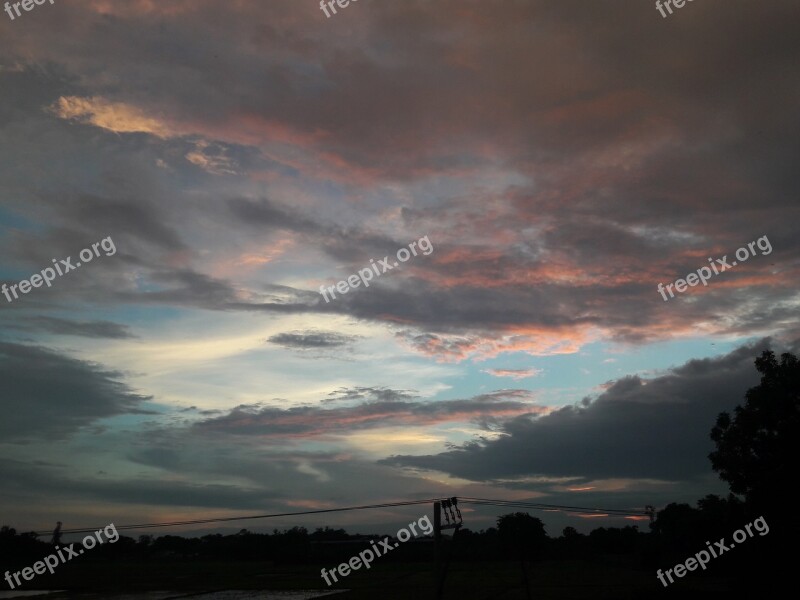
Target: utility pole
454	521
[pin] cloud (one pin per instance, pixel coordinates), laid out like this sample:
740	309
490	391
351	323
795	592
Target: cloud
536	248
20	476
381	408
137	219
90	329
184	287
113	116
265	212
514	373
488	343
212	158
549	188
657	429
48	395
312	339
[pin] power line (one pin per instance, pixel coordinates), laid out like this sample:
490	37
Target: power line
462	500
552	507
248	517
559	507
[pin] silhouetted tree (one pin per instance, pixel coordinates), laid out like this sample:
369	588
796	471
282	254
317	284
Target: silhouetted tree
678	525
521	534
19	548
328	534
721	515
758	454
571	544
758	450
570	533
614	540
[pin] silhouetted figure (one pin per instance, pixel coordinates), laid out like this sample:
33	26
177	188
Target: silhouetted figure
56	534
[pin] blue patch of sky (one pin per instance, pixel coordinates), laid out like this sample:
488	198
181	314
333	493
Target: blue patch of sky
567	378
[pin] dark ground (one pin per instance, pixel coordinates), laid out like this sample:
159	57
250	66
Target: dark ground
595	579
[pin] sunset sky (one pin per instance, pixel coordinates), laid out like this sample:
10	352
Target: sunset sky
563	158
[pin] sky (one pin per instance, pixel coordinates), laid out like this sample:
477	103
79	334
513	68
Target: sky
549	164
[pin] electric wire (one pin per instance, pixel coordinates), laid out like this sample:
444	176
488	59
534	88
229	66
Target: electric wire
461	500
554	507
243	518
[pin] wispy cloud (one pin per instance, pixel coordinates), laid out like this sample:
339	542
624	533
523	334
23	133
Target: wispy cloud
378	411
118	117
304	340
514	373
58	326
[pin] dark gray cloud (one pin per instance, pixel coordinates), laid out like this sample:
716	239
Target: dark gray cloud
185	287
136	219
47	395
355	243
312	339
21	477
58	326
265	213
657	428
